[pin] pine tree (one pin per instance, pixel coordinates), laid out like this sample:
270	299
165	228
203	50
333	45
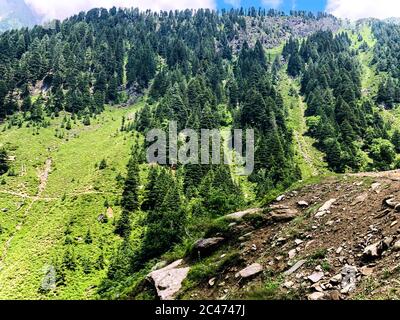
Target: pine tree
167	225
396	140
3	161
130	201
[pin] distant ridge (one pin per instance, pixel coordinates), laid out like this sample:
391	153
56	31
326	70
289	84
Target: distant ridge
16	14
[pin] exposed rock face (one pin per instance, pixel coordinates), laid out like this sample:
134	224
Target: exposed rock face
168	281
250	271
207	246
325	208
240	215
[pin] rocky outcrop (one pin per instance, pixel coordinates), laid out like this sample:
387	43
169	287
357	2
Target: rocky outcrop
204	247
241	214
250	271
168	281
325	208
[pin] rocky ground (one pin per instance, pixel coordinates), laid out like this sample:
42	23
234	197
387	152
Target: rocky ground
273	31
335	240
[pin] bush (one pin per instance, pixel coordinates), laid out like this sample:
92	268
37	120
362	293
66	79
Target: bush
103	164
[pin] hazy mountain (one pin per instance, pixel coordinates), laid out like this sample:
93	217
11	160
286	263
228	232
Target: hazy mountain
16	14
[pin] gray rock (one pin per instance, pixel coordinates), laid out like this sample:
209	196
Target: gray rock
102	218
303	204
280	198
336	279
376	187
292	254
374	251
168	281
296	267
316	277
207	246
250	271
396	246
211	282
349	280
288	284
326	207
388	242
316	296
391	203
298	242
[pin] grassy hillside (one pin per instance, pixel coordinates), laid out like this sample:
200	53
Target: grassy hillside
55	197
310	160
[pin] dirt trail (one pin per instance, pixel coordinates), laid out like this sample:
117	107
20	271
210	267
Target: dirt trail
43	176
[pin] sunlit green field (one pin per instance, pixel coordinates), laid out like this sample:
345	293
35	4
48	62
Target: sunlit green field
53	199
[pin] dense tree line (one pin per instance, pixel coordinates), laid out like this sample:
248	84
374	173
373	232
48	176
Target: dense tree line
387	59
193	73
346	127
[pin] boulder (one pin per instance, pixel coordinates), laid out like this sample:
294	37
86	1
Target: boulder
250	271
168	281
326	207
207	246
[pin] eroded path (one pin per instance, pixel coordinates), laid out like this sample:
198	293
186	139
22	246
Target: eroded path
43	176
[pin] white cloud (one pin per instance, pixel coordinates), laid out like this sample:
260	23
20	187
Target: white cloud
51	9
272	3
357	9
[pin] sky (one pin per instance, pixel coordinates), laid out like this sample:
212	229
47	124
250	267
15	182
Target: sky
351	9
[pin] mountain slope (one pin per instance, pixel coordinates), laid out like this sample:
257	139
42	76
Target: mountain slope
57	196
81	208
16	14
335	239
